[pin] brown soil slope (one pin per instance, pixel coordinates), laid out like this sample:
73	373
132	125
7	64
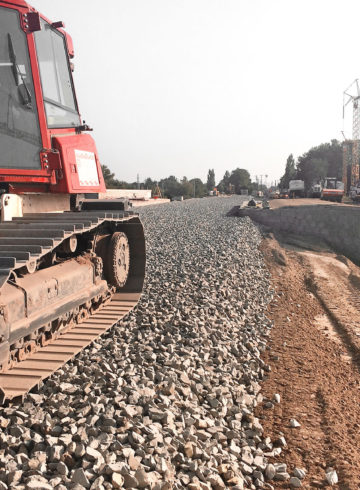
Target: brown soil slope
315	359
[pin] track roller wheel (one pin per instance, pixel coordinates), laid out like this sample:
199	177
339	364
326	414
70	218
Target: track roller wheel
31	266
22	354
82	315
117	263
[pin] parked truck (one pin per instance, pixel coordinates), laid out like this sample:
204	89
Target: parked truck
296	188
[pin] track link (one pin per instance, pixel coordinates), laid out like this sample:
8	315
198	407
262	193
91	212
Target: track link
24	376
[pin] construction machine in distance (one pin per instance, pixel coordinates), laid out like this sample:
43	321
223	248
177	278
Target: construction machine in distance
332	189
71	265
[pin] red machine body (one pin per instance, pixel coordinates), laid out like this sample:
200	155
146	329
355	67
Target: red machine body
64	158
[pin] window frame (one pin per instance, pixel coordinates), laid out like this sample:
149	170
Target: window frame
48	100
29	76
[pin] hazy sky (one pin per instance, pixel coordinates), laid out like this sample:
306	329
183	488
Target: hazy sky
181	86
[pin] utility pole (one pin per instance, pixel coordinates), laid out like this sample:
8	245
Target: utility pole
194	189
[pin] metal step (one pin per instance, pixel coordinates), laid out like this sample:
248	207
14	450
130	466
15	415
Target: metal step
68	227
32	249
32	233
16	255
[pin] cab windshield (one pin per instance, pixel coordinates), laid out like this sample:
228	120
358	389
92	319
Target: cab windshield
20	140
59	100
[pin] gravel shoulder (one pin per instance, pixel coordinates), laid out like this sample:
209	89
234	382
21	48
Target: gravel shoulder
314	357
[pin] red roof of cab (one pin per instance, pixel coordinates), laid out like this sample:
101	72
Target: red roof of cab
23	4
19	3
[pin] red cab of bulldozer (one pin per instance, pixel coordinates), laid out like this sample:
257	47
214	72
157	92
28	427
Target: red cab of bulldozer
45	146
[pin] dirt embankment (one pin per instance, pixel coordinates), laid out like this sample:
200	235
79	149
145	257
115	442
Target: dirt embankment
314	354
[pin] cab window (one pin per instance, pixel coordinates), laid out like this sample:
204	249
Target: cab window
20	140
56	80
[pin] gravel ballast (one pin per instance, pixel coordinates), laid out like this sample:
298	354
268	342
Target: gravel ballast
165	399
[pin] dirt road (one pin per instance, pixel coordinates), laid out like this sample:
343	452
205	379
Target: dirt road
278	203
315	359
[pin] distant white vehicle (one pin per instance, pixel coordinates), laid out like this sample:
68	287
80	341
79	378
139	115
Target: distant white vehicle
316	190
355	192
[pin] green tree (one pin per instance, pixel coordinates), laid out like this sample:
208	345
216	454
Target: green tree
199	189
121	184
290	173
149	183
187	189
112	183
223	185
109	177
210	183
171	187
319	162
240	179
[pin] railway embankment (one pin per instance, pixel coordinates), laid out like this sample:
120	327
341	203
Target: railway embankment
336	225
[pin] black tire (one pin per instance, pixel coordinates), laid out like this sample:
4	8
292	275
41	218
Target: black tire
117	263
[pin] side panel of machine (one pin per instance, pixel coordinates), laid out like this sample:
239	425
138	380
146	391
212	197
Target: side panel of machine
35	300
80	165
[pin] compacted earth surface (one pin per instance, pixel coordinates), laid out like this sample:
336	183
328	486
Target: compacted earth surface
280	203
167	398
314	352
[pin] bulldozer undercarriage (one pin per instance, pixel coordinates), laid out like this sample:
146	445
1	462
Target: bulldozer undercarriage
65	278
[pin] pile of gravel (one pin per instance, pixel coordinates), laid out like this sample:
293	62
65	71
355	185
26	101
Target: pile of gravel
165	399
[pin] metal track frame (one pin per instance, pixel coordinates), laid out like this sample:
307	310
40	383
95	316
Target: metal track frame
25	241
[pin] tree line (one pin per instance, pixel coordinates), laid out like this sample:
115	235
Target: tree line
233	182
313	166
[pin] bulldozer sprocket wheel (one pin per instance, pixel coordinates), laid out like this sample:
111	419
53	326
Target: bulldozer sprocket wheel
117	264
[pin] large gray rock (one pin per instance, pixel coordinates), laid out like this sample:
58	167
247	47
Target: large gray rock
80	477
